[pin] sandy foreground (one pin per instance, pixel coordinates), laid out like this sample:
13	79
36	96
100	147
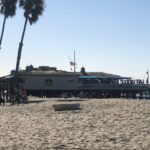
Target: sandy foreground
101	124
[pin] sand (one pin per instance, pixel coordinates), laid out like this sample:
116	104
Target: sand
101	124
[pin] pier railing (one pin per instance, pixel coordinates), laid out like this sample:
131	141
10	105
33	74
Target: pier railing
140	87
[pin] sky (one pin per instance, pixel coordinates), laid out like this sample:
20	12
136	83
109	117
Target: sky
111	36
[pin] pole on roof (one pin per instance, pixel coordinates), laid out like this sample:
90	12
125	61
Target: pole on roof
74	62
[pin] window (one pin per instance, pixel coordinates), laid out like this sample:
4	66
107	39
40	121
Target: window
22	80
70	80
48	82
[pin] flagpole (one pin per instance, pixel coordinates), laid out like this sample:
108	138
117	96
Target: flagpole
74	62
148	76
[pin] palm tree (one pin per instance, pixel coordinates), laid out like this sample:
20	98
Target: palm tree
8	9
32	10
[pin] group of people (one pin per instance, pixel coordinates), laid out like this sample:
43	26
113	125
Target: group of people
13	93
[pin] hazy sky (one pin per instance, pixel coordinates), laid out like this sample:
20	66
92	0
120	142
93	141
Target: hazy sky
111	36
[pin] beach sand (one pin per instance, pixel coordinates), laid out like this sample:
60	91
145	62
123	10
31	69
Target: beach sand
101	124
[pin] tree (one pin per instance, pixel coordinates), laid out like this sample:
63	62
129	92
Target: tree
32	10
8	9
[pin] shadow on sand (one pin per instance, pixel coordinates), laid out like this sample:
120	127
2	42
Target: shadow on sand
71	100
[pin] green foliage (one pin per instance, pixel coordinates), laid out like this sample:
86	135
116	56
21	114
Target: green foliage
32	9
8	7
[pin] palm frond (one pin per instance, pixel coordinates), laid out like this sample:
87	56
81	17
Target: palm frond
8	7
32	9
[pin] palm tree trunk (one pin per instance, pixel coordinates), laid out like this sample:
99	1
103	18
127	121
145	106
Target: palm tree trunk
20	47
3	28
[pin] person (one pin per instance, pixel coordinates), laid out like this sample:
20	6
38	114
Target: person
2	101
24	96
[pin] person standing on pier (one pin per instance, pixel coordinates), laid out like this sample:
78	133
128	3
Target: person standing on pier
147	80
